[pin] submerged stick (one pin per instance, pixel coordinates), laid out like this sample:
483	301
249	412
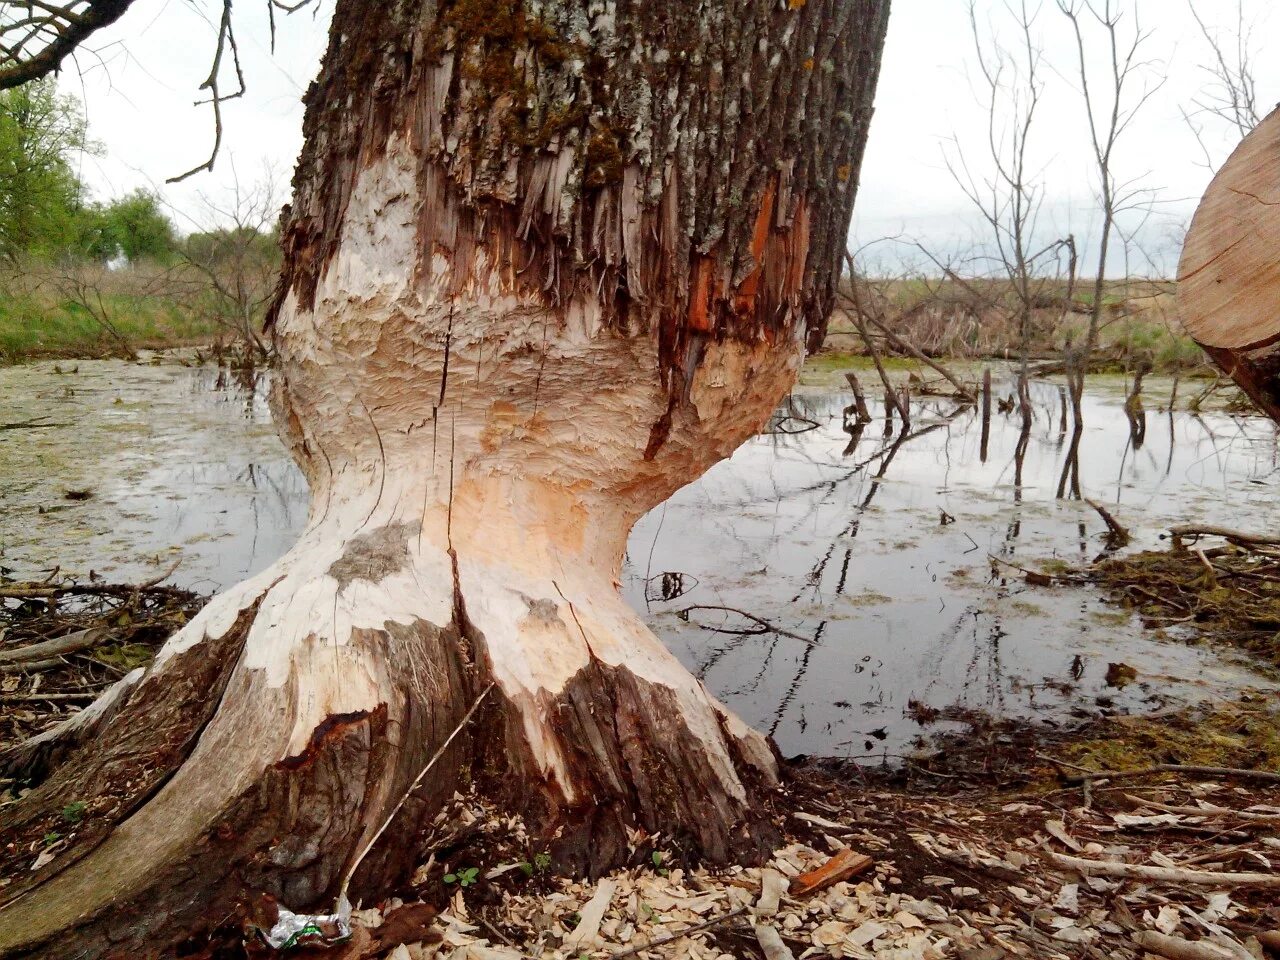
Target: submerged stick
765	626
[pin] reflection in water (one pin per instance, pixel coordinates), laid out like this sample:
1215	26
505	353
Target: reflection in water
832	582
871	556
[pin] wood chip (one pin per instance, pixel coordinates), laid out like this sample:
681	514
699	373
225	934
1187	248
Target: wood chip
842	866
772	886
1058	830
772	944
584	934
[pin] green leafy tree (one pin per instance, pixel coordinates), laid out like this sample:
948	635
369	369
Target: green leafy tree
133	226
41	132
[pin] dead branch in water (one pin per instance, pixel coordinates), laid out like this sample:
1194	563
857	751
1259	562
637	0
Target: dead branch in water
1208	530
1035	577
859	405
762	625
903	344
1117	535
35	423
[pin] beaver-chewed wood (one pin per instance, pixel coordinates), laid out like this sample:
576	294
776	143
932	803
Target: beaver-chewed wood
545	263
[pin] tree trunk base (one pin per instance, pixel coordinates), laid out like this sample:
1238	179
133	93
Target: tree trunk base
275	735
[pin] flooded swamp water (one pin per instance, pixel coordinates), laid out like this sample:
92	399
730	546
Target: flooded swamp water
835	588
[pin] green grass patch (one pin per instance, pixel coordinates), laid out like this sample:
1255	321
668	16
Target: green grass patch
32	326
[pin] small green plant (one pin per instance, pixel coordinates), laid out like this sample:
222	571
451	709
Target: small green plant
539	864
74	812
658	857
464	877
52	837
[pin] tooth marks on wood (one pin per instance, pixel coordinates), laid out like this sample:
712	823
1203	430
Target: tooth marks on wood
690	168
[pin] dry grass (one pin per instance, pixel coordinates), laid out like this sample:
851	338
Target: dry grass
978	319
88	310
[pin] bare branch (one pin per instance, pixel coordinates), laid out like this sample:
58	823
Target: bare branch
33	45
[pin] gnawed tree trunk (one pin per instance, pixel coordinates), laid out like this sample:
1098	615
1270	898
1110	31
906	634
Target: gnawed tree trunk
1229	274
546	263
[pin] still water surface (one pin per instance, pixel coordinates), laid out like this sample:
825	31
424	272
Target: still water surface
837	539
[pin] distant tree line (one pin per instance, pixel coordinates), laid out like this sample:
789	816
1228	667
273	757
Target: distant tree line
43	207
123	256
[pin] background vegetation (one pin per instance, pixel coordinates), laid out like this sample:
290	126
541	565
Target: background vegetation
86	277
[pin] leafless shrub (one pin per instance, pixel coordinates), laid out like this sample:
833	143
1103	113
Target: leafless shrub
231	260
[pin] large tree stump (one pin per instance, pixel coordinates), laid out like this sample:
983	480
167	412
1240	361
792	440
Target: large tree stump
1229	274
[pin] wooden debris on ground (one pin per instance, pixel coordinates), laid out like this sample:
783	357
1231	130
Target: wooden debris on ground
63	642
1183	869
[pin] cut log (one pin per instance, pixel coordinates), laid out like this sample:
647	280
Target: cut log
1229	273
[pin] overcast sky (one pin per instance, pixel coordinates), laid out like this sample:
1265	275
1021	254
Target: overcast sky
140	84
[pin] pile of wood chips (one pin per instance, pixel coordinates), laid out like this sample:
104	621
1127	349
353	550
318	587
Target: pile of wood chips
1182	871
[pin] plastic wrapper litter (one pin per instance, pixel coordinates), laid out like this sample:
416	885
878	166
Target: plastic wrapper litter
308	930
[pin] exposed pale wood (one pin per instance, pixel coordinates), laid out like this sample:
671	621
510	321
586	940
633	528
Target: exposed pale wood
1229	274
1176	875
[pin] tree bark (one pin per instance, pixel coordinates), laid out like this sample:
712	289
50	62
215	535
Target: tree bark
1229	273
546	263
